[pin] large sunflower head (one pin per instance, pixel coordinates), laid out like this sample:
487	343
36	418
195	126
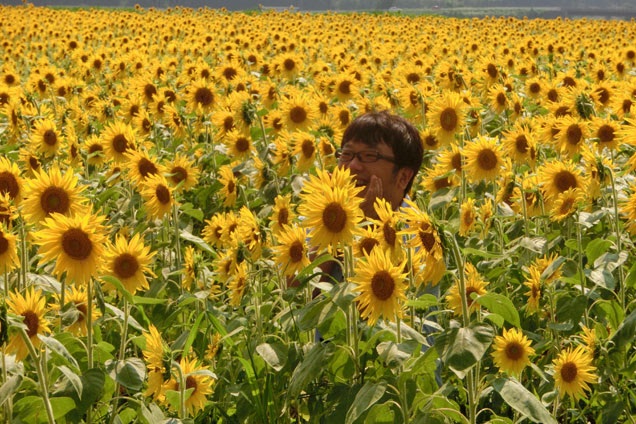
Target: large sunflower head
512	351
381	287
158	196
75	243
557	177
474	284
446	116
182	173
141	165
484	159
51	192
574	372
32	308
118	139
129	261
11	183
291	250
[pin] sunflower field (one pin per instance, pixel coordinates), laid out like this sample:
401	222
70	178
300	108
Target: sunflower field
169	192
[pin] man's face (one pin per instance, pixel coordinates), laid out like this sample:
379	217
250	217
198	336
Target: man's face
378	177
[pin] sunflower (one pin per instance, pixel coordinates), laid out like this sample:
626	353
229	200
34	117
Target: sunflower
75	243
566	204
140	165
304	147
484	159
198	384
200	96
346	87
520	145
436	178
182	173
9	259
366	241
156	354
467	216
129	261
224	121
157	195
332	212
557	177
573	372
628	210
239	145
446	116
77	298
237	283
387	228
291	250
298	112
605	134
533	283
249	232
512	351
52	192
142	123
289	65
11	182
32	307
93	149
546	263
572	134
473	284
212	233
381	287
117	139
229	189
282	213
451	160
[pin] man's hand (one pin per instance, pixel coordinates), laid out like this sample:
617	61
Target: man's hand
374	190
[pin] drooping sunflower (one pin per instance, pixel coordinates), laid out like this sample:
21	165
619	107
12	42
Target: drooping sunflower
574	372
212	233
628	210
93	149
332	211
182	173
565	204
140	165
520	145
282	213
249	232
11	182
437	178
473	284
446	116
156	354
118	138
484	159
9	259
512	351
157	195
291	250
46	138
76	244
557	177
533	283
191	260
77	298
467	216
52	192
388	223
304	147
198	379
237	283
129	261
366	241
229	189
32	307
452	159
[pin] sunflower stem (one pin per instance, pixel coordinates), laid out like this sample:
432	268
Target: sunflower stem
619	247
89	323
579	244
182	389
41	377
8	406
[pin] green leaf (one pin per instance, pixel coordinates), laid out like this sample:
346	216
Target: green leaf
189	210
630	279
381	413
461	348
152	414
596	248
274	354
194	331
611	311
394	354
59	349
307	370
114	281
61	406
73	378
519	398
130	372
198	241
9	387
500	305
425	301
625	333
367	396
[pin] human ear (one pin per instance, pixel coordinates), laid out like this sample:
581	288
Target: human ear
403	177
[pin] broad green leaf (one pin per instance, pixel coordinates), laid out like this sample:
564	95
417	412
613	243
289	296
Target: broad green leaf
394	354
500	305
114	281
367	396
630	279
307	370
151	414
189	210
59	349
611	311
275	354
314	312
194	332
130	373
570	309
140	300
519	398
9	387
198	241
625	333
425	301
61	406
596	248
381	413
74	379
463	347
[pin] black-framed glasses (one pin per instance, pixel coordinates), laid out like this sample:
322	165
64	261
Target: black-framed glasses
365	156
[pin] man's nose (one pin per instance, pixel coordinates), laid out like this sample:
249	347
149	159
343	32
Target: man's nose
355	163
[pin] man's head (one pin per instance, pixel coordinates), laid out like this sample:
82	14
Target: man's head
379	147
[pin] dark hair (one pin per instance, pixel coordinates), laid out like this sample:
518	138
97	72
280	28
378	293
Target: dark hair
399	134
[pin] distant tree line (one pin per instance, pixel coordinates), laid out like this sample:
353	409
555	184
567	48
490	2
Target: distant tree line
332	4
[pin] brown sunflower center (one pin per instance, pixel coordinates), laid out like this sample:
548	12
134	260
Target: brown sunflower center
469	292
345	87
487	160
298	114
334	216
574	134
569	371
448	119
228	123
441	183
389	234
535	88
191	383
605	133
125	266
514	351
9	184
204	96
283	217
521	144
81	307
413	78
231	187
229	73
491	69
32	322
149	91
146	167
456	162
120	143
178	174
49	137
55	199
77	244
296	251
382	285
242	145
564	180
4	244
367	244
501	99
427	238
308	148
163	194
289	64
